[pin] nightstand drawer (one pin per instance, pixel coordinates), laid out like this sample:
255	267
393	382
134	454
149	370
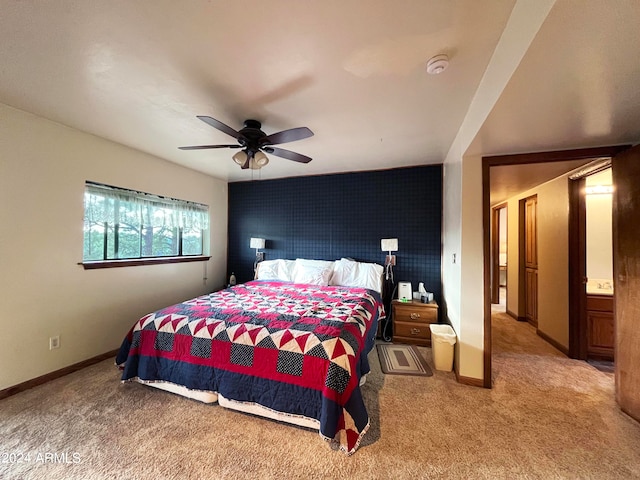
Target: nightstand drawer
416	312
412	330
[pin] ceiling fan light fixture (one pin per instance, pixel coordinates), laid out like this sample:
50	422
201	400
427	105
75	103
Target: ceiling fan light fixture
437	64
240	157
259	160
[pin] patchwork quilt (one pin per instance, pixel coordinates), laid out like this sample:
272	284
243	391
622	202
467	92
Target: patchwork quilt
294	348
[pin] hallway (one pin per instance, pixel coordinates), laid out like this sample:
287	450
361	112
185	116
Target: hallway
568	403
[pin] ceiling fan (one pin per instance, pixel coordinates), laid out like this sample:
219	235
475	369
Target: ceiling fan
254	143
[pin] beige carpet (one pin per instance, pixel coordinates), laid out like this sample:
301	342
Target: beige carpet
546	417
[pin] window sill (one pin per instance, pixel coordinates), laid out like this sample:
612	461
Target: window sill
134	262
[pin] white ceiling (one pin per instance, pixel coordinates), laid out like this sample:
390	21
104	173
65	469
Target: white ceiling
576	87
507	181
139	71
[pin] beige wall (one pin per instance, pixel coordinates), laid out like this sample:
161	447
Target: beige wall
461	219
471	286
451	233
43	290
463	281
553	258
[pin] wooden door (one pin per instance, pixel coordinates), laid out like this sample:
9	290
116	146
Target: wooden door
531	260
626	278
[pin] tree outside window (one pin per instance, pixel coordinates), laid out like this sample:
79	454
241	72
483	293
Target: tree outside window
125	224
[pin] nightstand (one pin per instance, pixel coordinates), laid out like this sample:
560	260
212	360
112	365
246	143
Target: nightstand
411	321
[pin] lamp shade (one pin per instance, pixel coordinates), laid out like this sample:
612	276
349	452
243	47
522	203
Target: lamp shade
389	244
257	242
240	157
259	160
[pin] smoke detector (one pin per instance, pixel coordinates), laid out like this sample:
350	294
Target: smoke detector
437	64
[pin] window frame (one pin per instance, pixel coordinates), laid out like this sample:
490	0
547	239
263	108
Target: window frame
177	207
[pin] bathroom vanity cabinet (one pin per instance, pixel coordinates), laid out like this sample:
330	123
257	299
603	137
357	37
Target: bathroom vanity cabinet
600	327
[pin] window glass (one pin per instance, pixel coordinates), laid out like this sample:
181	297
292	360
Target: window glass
125	224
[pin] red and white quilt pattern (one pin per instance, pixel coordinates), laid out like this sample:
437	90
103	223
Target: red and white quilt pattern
310	341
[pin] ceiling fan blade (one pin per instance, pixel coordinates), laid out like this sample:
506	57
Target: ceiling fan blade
203	147
219	125
287	136
289	155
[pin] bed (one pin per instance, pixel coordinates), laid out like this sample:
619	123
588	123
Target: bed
290	345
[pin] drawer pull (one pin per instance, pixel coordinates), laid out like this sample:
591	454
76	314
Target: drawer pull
415	331
415	316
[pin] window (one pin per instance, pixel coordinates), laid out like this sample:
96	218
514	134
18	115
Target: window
122	224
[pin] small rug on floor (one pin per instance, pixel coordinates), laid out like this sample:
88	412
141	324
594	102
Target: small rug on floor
402	360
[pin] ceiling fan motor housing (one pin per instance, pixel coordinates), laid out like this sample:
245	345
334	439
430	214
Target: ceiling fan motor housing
251	135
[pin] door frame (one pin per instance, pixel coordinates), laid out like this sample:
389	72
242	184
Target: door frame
577	269
495	250
578	343
518	159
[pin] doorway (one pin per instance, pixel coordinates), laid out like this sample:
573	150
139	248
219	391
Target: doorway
550	160
591	324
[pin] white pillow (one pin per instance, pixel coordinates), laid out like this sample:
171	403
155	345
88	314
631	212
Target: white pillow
344	273
275	270
314	272
370	276
348	273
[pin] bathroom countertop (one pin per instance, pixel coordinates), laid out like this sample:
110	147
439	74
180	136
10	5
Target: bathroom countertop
600	291
600	287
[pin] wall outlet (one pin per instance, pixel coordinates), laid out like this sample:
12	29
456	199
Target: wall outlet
54	342
259	256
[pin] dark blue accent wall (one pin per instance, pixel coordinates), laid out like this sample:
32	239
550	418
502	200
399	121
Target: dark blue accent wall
327	217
